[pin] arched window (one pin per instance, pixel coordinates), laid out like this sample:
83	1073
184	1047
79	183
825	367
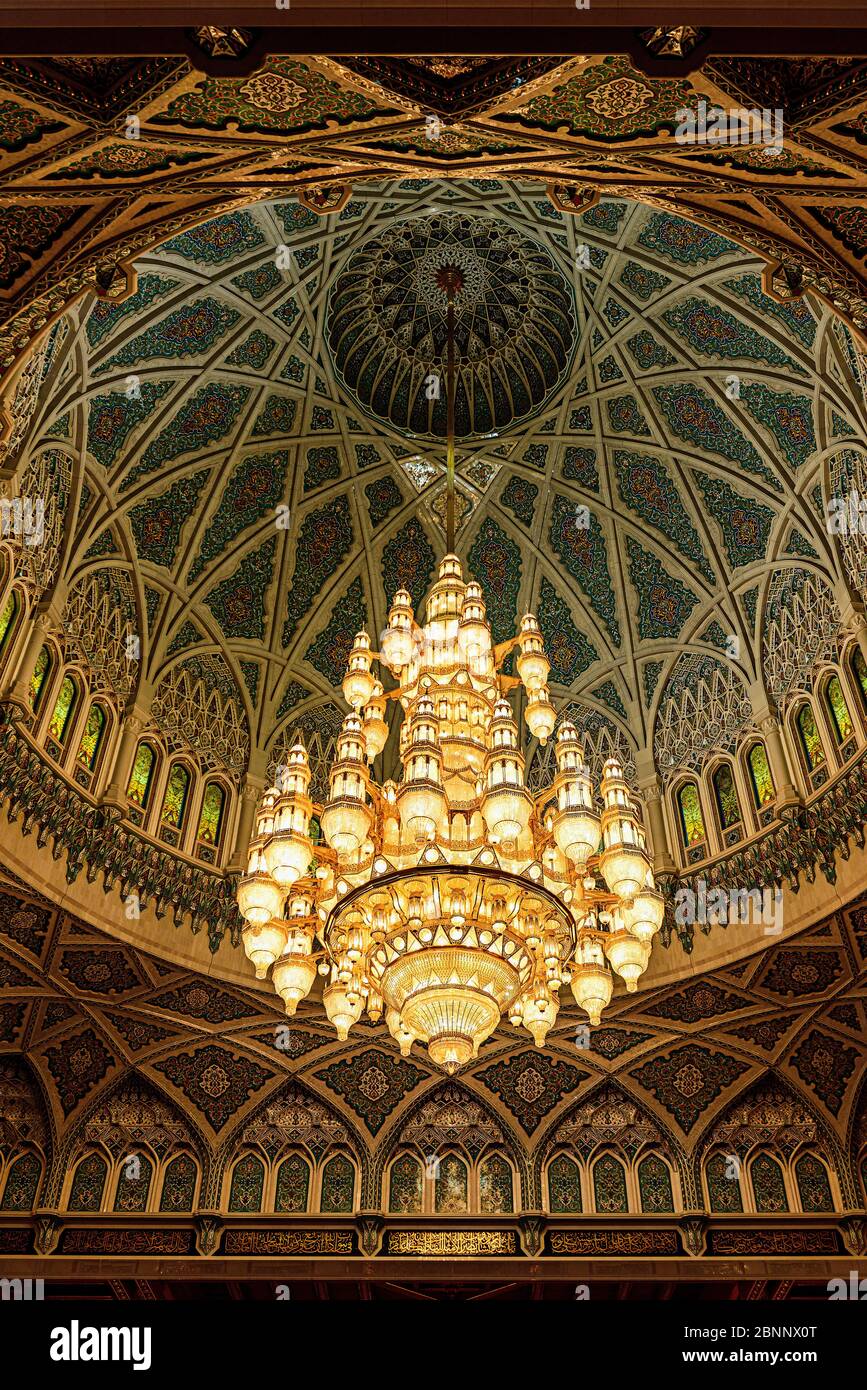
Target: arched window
723	1173
654	1184
841	720
292	1191
61	719
179	1184
133	1183
142	775
814	1188
451	1186
338	1185
811	743
39	678
760	776
248	1184
726	794
564	1184
22	1183
91	739
7	618
691	821
88	1184
859	670
405	1184
496	1191
211	816
175	799
609	1184
769	1186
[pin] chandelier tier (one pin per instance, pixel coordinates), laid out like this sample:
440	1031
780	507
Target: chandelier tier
451	897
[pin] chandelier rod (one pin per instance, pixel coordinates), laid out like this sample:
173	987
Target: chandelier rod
450	420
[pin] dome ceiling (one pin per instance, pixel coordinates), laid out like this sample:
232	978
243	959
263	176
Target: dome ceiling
231	440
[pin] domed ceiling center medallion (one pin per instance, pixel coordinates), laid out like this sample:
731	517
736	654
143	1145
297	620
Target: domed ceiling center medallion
515	324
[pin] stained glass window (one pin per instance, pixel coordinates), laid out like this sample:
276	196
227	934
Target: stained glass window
726	796
769	1186
211	818
293	1184
179	1184
133	1184
451	1186
654	1184
338	1185
495	1185
609	1184
814	1189
810	740
564	1184
691	822
7	617
859	666
723	1183
37	680
864	1176
91	739
88	1183
839	709
175	799
22	1184
760	773
139	786
405	1184
63	709
248	1184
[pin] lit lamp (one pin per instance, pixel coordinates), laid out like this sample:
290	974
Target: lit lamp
397	640
533	664
592	985
375	727
623	860
645	915
346	818
540	714
628	956
506	803
576	825
421	800
358	682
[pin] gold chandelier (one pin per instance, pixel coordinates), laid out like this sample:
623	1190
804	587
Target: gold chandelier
452	897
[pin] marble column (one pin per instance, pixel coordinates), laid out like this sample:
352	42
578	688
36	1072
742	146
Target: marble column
787	792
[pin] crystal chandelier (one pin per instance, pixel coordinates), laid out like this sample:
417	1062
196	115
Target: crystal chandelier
451	897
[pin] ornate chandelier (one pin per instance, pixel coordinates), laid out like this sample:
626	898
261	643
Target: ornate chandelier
451	897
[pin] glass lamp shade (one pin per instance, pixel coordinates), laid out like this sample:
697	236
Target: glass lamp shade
576	833
628	956
263	944
293	977
540	715
624	868
345	825
288	858
450	998
358	682
422	807
397	643
592	987
540	1014
646	914
339	1011
375	728
402	1036
259	899
506	811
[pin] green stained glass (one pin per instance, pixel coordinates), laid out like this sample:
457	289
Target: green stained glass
7	617
451	1185
405	1184
859	666
211	818
726	796
139	786
814	1188
179	1184
338	1185
609	1184
768	1184
810	740
691	820
133	1185
839	709
37	680
63	709
760	772
248	1182
564	1184
654	1184
88	750
723	1183
495	1186
88	1183
22	1184
175	799
293	1184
